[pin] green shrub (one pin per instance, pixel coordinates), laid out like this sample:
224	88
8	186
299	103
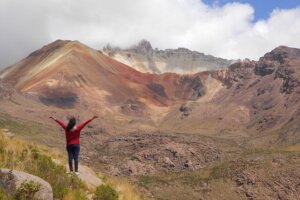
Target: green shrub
3	144
35	153
43	166
79	195
27	190
4	195
220	171
24	154
105	192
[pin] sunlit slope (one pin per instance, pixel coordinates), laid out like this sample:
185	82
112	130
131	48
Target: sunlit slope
255	96
69	73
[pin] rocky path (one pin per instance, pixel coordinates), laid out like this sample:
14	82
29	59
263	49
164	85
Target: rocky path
87	175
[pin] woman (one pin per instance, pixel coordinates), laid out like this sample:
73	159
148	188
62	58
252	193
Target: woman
72	137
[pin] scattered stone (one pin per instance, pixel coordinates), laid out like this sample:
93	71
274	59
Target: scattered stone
8	133
188	164
168	162
147	154
185	109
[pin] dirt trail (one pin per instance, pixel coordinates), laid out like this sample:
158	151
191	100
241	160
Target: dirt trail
87	175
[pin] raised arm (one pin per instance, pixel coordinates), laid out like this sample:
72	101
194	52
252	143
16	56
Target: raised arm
81	126
62	124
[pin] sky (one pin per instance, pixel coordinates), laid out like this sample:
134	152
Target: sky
263	8
223	28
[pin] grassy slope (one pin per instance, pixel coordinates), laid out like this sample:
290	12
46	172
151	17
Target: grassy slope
31	131
36	160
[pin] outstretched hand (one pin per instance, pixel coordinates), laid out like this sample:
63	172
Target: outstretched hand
52	117
95	117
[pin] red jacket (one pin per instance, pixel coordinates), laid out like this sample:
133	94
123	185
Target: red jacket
72	137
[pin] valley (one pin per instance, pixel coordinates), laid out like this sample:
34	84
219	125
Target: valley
226	133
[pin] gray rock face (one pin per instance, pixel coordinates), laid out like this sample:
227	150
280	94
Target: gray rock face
183	61
235	73
12	180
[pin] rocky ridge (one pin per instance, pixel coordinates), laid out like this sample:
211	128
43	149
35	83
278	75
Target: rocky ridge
144	58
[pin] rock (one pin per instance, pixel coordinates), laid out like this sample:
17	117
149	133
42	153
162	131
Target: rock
279	160
179	60
237	72
188	164
261	91
168	162
114	171
137	157
84	157
8	133
137	168
133	107
7	182
185	109
144	47
264	68
18	177
198	88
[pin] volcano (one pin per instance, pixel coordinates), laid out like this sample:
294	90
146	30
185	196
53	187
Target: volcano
251	95
64	72
71	75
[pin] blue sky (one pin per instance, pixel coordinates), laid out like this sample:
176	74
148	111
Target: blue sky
263	8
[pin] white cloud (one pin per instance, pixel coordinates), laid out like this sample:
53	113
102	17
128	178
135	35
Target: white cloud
225	31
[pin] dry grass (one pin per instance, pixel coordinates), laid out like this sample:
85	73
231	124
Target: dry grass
37	160
293	148
125	189
32	158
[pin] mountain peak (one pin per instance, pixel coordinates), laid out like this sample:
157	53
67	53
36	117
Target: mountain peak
145	44
144	47
285	49
281	53
57	44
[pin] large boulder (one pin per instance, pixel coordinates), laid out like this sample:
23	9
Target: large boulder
12	179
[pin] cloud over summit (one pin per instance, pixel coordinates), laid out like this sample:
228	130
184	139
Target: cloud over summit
227	31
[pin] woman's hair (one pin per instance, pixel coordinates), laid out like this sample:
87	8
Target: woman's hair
71	124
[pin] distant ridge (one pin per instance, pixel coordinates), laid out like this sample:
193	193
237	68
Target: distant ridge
252	94
144	58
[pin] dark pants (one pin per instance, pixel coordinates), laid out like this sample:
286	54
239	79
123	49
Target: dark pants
73	153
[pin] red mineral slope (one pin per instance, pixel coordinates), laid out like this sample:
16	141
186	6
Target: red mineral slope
65	73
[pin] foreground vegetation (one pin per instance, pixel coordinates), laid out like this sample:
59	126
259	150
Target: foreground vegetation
18	155
38	160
